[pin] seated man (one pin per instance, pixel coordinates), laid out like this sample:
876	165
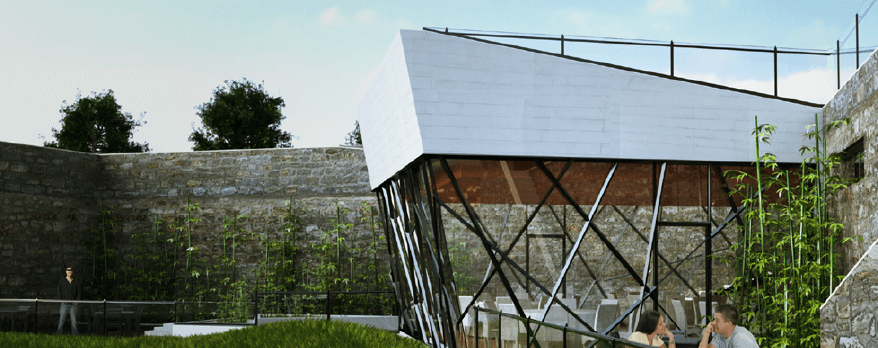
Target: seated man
727	333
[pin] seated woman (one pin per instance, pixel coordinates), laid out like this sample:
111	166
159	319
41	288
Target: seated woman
651	329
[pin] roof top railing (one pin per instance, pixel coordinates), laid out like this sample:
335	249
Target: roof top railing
847	46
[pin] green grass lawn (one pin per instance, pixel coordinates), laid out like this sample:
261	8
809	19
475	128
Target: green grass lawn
295	333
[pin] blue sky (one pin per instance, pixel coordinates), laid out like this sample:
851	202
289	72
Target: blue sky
163	58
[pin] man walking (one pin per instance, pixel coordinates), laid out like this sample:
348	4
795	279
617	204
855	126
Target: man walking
727	333
68	289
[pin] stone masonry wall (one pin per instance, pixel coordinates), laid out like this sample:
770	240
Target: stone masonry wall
49	198
857	206
546	256
52	197
848	317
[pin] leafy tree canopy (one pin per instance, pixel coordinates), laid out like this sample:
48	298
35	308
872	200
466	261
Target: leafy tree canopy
240	115
354	137
96	124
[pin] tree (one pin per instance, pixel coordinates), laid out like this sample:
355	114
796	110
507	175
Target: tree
354	138
240	116
96	124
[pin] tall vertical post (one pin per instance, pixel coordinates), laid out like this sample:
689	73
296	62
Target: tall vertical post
857	28
672	57
838	62
708	250
562	44
775	71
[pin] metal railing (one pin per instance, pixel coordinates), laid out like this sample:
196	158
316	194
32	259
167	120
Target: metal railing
843	46
538	333
97	313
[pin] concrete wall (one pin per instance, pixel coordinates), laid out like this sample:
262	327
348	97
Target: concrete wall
49	198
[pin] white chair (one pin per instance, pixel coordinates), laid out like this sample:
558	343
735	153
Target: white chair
488	323
548	336
634	318
569	302
504	299
467	322
511	330
686	321
607	312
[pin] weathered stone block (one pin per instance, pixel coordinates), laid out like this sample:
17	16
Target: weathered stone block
19	168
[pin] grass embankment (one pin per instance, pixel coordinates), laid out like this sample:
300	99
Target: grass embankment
296	333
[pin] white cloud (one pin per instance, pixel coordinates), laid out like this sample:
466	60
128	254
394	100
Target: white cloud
365	16
816	85
331	17
667	7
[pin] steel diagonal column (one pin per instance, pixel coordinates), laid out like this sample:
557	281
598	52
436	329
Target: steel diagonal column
514	241
505	257
607	259
593	226
728	194
393	222
396	281
418	290
582	232
450	310
485	242
416	241
426	225
578	254
653	246
405	245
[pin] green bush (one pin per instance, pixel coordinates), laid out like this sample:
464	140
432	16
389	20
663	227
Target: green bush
299	333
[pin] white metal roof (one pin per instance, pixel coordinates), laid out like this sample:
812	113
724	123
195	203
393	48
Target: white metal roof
442	94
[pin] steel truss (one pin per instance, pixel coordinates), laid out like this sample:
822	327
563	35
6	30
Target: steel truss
427	295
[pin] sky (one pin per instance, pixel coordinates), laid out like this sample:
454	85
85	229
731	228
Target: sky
162	59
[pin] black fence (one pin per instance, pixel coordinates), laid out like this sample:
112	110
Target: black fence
132	318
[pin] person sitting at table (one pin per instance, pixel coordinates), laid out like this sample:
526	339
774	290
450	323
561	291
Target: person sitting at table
651	329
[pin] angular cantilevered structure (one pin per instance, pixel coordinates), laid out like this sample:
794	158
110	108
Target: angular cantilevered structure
453	124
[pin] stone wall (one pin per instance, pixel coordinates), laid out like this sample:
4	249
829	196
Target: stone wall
47	198
857	206
546	257
849	318
50	198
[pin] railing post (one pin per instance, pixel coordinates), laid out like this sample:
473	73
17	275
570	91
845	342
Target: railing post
175	311
477	325
256	307
36	313
565	335
500	330
857	26
527	331
672	57
838	62
105	317
562	44
328	295
775	71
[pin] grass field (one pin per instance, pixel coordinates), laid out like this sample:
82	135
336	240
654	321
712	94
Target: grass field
296	333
